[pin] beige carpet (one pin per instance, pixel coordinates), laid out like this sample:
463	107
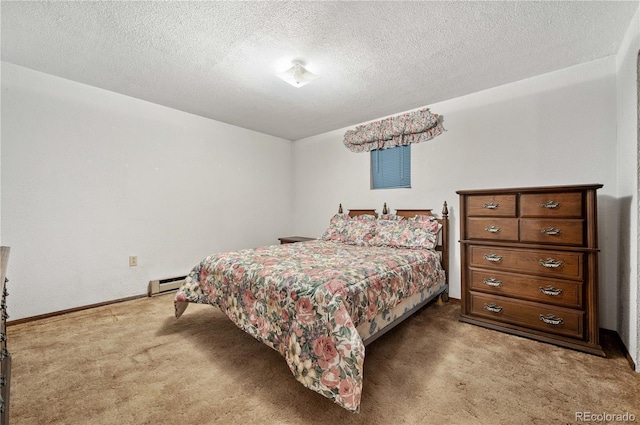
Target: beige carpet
134	363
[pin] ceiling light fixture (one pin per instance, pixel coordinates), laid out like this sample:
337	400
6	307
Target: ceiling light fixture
297	75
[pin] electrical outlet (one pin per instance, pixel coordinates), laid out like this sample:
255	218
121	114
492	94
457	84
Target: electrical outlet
133	261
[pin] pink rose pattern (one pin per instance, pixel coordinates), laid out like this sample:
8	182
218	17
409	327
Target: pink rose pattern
414	234
359	231
418	232
336	229
400	130
305	300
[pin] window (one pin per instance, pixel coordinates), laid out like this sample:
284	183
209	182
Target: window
391	168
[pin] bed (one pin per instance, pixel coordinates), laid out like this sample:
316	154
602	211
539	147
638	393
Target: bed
319	303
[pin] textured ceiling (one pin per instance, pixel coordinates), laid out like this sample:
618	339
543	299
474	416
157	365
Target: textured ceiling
218	59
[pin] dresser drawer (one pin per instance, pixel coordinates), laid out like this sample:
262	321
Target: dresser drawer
551	291
563	204
556	231
559	264
491	205
504	229
543	317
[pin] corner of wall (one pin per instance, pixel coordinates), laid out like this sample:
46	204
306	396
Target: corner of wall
637	353
628	186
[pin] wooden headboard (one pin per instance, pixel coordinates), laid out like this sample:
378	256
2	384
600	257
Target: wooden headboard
443	240
355	213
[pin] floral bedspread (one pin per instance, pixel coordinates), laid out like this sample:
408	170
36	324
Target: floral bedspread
306	299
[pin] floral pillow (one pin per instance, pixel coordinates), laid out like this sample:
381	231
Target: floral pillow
391	217
336	230
359	232
388	232
428	222
414	234
419	236
364	217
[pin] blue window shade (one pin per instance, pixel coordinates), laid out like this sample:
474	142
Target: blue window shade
391	168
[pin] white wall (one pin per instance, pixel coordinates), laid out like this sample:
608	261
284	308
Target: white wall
554	129
628	174
90	177
1	159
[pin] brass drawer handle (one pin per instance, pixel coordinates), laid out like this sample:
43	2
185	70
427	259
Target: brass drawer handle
491	205
551	231
550	319
550	204
492	281
550	263
551	291
492	229
493	307
492	257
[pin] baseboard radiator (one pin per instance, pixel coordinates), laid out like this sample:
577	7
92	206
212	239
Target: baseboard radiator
162	286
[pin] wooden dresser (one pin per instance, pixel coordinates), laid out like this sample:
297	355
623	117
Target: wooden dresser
529	263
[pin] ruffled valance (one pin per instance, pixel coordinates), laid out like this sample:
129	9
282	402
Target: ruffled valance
412	127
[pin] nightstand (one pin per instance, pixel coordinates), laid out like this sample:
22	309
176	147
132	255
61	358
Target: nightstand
294	239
